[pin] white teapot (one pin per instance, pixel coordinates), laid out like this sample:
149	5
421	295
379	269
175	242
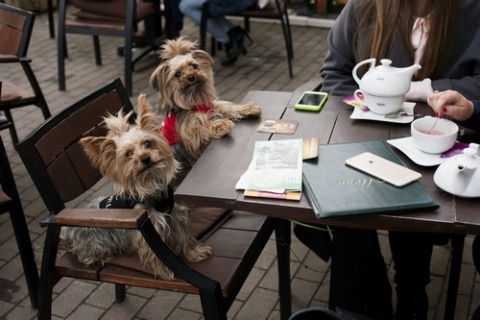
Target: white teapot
384	87
460	174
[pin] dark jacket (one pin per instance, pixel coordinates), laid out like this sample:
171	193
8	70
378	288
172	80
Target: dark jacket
459	70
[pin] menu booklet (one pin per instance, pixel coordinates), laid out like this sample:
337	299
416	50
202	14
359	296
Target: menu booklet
335	189
276	170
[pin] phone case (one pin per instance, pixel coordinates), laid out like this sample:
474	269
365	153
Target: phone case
311	101
383	169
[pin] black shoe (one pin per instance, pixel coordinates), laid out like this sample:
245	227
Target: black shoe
236	46
232	51
411	306
241	37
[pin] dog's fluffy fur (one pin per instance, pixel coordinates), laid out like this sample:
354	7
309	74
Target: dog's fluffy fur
185	79
140	164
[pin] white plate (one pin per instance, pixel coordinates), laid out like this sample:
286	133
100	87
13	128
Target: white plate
359	114
407	146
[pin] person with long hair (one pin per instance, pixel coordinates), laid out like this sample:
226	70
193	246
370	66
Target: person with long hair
444	38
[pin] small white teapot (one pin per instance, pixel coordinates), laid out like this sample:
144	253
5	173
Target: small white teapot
384	87
460	174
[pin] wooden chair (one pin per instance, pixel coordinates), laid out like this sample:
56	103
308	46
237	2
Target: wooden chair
117	18
275	10
16	27
10	202
62	173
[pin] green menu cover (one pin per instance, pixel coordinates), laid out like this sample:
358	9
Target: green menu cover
335	189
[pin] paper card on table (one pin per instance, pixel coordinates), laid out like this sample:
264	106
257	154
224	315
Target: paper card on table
287	195
351	100
281	126
310	151
276	168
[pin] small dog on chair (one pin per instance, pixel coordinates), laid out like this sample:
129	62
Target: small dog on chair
140	164
187	97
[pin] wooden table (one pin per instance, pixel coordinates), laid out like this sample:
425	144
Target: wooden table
212	180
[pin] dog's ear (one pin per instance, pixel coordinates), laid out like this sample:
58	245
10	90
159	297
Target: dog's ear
159	82
146	119
101	151
203	57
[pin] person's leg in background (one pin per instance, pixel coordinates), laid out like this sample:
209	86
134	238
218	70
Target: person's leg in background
225	32
217	27
174	20
359	278
411	253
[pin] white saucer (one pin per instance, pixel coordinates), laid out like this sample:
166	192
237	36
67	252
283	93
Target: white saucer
407	146
359	114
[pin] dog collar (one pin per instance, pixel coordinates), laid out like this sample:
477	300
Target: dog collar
160	204
205	108
169	123
169	129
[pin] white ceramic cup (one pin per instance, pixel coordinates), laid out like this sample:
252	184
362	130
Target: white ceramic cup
434	138
380	105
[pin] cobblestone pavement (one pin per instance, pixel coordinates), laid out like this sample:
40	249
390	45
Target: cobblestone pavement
263	68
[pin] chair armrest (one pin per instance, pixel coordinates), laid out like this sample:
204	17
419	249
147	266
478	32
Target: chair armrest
8	58
101	218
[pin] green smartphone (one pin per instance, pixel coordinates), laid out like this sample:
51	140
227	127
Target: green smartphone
311	101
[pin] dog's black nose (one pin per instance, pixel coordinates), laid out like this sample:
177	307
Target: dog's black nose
146	160
191	78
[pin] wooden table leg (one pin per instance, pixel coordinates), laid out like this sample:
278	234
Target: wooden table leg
284	239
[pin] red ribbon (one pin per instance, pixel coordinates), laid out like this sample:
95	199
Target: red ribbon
169	128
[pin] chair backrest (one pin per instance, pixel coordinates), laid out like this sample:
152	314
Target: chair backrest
55	144
16	27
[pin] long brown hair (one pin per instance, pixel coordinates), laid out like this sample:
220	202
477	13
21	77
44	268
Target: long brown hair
385	19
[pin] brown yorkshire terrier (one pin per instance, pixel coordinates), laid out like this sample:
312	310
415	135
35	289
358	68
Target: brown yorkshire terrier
140	164
187	97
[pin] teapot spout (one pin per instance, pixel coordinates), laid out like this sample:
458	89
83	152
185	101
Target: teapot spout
409	71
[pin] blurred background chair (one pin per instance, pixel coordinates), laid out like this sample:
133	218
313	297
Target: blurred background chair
117	18
62	172
15	31
274	10
51	22
10	202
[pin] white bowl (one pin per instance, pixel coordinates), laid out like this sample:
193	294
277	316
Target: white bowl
434	138
380	105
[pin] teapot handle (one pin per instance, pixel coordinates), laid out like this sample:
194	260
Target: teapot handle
354	71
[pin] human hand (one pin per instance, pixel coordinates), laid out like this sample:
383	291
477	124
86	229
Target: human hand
451	103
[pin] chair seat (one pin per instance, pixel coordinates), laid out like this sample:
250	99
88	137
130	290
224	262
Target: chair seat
106	25
255	12
111	9
11	93
231	234
116	18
